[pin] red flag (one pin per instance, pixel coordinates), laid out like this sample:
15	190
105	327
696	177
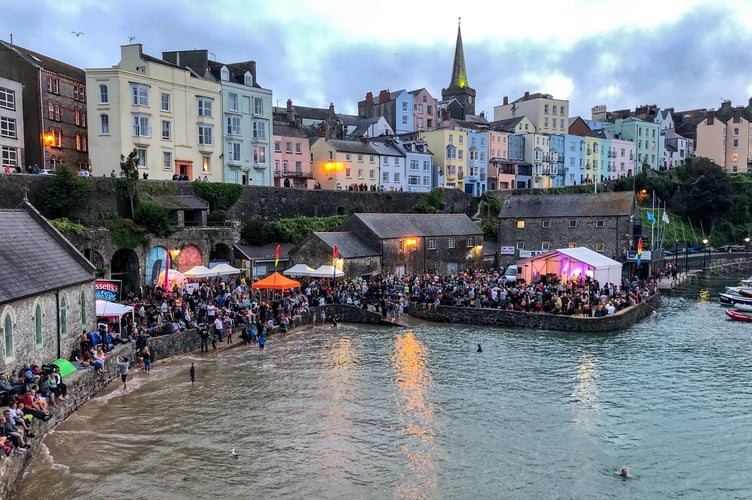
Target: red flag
336	252
276	255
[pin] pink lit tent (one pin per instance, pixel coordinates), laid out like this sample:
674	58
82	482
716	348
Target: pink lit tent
567	263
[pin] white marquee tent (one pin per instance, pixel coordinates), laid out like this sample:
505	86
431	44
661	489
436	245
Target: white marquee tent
325	271
112	310
299	270
567	263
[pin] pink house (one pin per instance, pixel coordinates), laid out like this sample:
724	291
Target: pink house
425	110
292	157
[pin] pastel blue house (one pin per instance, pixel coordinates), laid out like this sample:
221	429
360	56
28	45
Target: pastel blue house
516	153
556	159
574	160
476	180
645	136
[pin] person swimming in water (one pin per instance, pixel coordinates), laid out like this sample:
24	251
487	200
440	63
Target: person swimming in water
479	349
624	473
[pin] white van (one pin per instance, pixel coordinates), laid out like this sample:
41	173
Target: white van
511	273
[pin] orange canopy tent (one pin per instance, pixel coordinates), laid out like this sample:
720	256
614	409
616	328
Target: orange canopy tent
276	282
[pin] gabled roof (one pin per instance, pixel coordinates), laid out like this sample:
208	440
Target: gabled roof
567	205
530	97
349	246
351	146
180	202
283	129
507	125
48	63
386	226
385	148
35	258
362	125
266	252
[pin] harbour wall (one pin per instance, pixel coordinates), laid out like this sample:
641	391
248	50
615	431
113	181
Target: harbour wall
538	321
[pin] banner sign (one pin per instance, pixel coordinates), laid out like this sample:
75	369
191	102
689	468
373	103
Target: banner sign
506	250
108	290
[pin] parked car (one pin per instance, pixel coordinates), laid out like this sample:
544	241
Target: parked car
47	171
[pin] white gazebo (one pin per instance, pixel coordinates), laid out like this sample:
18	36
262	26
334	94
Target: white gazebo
569	263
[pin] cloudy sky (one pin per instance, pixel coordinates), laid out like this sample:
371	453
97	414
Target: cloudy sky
686	55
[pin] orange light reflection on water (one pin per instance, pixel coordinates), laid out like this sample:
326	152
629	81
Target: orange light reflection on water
410	363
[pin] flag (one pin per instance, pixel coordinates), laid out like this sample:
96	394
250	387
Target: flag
651	218
665	217
276	256
335	252
639	251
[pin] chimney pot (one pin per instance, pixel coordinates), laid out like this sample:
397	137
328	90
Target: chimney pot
506	100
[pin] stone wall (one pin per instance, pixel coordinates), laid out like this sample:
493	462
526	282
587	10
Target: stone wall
350	314
538	321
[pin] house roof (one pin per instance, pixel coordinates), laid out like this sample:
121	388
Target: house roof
283	129
265	252
48	63
35	258
387	226
385	148
567	205
507	125
348	244
351	146
180	202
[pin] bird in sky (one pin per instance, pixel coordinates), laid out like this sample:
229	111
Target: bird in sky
77	33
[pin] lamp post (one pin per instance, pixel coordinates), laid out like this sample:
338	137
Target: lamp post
746	251
707	251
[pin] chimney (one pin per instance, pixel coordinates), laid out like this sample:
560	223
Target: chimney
710	117
737	115
331	107
527	95
364	138
289	105
506	100
369	99
750	102
383	96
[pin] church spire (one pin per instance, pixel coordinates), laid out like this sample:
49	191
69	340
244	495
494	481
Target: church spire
458	88
459	73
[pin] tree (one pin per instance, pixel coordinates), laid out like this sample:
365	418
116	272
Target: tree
129	173
66	192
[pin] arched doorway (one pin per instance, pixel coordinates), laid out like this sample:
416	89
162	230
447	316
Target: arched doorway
189	257
155	263
221	252
124	267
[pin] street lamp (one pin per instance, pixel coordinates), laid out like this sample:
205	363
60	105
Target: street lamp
746	250
707	251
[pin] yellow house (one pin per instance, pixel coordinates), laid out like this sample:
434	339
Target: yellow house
449	148
338	164
170	115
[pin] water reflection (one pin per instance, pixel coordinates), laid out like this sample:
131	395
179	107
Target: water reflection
336	451
416	413
586	390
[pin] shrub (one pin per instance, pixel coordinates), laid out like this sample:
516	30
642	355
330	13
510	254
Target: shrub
154	218
219	195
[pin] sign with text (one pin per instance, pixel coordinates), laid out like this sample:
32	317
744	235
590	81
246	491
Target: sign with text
506	250
108	290
524	254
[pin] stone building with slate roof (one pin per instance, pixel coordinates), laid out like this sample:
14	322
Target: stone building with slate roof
604	222
397	243
46	291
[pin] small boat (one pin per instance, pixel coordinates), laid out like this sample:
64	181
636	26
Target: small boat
738	316
732	299
745	292
743	307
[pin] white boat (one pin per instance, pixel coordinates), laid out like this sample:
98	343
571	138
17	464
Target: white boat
740	306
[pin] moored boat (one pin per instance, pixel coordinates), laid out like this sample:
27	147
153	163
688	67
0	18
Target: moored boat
745	292
738	316
743	307
732	299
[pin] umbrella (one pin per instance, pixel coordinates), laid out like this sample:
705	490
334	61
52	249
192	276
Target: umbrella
66	367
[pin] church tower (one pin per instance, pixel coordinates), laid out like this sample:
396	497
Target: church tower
458	87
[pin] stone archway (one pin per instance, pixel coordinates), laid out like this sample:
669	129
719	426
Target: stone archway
124	267
190	256
221	252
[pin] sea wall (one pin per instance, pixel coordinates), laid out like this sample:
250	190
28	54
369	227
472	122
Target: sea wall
350	314
538	321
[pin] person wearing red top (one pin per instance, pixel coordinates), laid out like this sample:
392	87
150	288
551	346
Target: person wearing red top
31	407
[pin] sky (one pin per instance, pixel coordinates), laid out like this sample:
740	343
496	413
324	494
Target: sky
684	54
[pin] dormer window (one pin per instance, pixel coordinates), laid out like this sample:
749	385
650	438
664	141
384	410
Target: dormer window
224	74
248	79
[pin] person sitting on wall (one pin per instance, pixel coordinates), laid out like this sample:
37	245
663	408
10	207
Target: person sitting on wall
31	407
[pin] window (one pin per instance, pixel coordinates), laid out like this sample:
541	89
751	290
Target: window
63	315
233	151
258	106
166	129
451	243
285	166
82	303
735	143
520	224
259	129
8	157
600	223
205	164
141	157
248	79
81	143
372	175
165	101
431	244
58	138
413	180
520	245
414	165
298	167
277	147
166	160
37	319
545	108
460	153
299	149
53	84
8	127
104	124
8	334
233	125
371	158
386	161
404	119
571	223
141	126
348	157
360	173
599	246
205	106
205	135
7	99
232	102
288	149
140	94
104	98
470	242
384	176
259	155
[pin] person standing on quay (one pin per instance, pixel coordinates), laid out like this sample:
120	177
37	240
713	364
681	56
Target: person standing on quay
146	356
123	366
192	372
